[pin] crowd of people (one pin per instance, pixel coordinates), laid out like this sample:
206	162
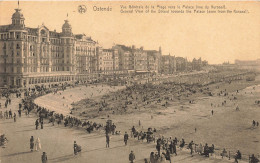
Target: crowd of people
255	123
165	148
131	98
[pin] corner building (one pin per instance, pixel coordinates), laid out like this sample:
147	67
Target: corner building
37	56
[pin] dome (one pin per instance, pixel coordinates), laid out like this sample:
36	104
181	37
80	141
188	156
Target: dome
17	14
66	24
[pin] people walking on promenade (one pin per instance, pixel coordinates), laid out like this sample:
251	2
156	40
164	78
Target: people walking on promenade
253	159
38	145
125	138
107	140
206	150
182	143
42	124
152	157
131	157
37	124
253	123
224	153
6	114
168	155
20	112
238	156
44	157
3	141
113	128
10	114
191	148
133	131
31	143
14	117
174	149
158	147
76	148
163	145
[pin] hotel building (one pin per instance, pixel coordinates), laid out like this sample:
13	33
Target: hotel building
36	56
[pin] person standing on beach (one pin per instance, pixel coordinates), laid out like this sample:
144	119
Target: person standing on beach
191	148
107	141
133	131
31	143
158	147
152	159
38	145
36	124
253	123
42	124
131	157
125	138
10	114
44	157
14	117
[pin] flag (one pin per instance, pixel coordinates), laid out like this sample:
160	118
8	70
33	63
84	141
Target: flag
18	3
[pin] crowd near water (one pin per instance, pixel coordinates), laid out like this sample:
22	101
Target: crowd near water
127	100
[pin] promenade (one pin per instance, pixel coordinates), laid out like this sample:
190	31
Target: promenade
57	141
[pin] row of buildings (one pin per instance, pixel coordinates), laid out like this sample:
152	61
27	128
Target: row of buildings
248	62
34	56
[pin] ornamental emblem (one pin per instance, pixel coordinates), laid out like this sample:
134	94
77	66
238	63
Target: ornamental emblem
82	9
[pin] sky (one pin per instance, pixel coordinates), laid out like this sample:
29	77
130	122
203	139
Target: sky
216	38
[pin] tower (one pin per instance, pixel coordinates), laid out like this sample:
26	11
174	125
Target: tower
18	19
67	41
66	28
160	50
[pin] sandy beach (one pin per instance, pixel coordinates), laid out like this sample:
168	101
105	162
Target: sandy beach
227	128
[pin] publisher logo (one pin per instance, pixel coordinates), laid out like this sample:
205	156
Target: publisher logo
82	9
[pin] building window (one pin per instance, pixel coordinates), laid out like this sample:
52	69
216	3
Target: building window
11	46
